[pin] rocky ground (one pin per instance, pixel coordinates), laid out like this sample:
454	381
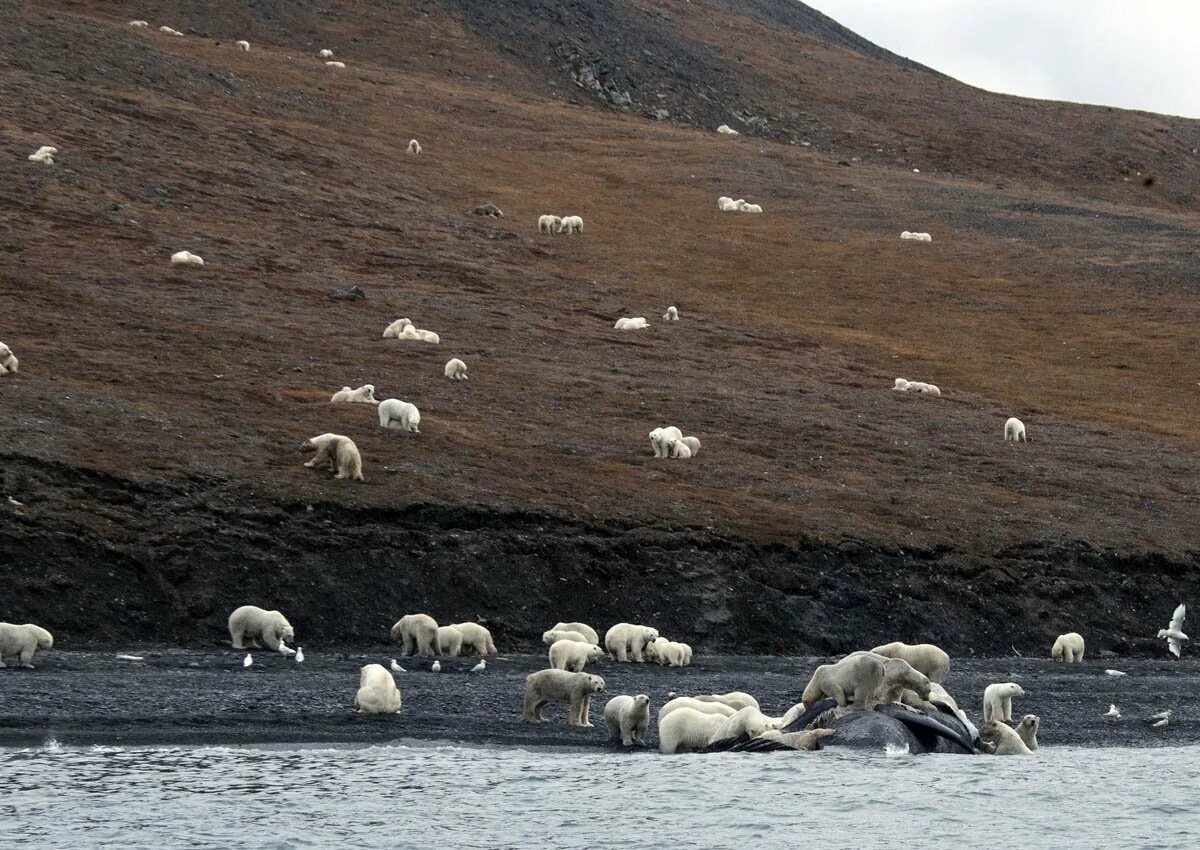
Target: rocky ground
206	697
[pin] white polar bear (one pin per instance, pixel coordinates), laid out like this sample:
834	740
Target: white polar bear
686	730
186	258
693	444
661	438
377	691
139	24
924	388
748	721
726	130
326	53
455	370
570	224
576	689
243	45
749	208
22	641
736	700
169	31
44	155
697	705
672	314
1014	430
729	204
335	64
255	623
583	628
997	700
1068	648
901	385
8	360
401	415
449	641
476	638
363	395
394	330
859	677
625	641
337	452
679	449
635	323
1027	730
1002	740
627	718
414	147
553	635
549	223
418	634
668	652
924	657
572	655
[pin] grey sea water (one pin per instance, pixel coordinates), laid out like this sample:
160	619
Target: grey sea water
426	796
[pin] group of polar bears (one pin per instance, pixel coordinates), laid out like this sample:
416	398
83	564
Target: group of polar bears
419	634
670	442
727	204
1014	428
575	645
560	224
637	323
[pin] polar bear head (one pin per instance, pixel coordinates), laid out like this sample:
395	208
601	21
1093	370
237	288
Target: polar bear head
649	635
899	671
640	701
595	653
594	684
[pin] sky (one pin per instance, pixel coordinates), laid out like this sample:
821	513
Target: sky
1136	54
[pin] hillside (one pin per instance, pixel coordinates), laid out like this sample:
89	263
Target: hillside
152	434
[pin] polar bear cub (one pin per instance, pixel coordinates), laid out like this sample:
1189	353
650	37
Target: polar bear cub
549	223
363	395
626	641
1068	648
997	700
554	635
401	415
186	258
661	439
255	623
8	360
583	629
449	641
336	452
572	655
627	718
669	653
635	323
1014	430
377	691
476	639
418	634
456	370
547	686
926	658
22	641
686	730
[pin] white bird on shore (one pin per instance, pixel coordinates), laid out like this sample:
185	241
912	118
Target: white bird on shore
1163	718
130	658
300	655
1113	673
284	649
437	667
1174	632
1113	712
396	668
15	503
248	660
480	667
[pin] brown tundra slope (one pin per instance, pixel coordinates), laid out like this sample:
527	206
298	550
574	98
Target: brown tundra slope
151	437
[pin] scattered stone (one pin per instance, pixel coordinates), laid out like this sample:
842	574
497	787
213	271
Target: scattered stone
349	293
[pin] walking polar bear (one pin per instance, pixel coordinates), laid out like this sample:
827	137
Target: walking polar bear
572	655
336	452
363	395
476	638
1014	430
401	415
255	623
449	641
418	634
997	701
864	678
570	224
549	223
8	360
669	653
923	657
626	641
582	628
547	686
1068	648
662	438
377	691
22	641
627	718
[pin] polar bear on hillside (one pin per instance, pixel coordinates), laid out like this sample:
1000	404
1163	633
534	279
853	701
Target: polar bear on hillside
997	700
583	628
1014	430
255	623
455	369
924	657
1068	648
377	691
573	656
627	718
449	641
625	641
476	638
22	641
547	686
858	677
401	415
363	395
686	730
661	439
8	360
418	634
397	327
549	223
336	452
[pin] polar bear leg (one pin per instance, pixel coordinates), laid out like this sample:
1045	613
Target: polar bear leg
587	709
324	455
270	636
238	634
1006	709
406	647
26	656
834	690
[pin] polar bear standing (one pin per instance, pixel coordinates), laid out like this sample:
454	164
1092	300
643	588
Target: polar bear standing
547	686
8	360
583	629
997	701
924	657
377	691
858	677
23	641
549	223
1068	648
899	678
418	634
627	718
573	656
626	641
449	641
661	438
1002	740
402	415
337	452
363	395
255	623
686	730
476	638
1014	430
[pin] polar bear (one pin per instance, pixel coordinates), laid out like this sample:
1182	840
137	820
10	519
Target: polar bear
418	634
401	415
997	701
253	622
243	45
693	444
397	327
8	360
672	314
736	700
702	706
363	395
476	638
186	258
858	678
627	718
549	223
1014	430
668	652
23	641
455	369
625	641
414	147
550	637
924	657
576	689
748	721
634	323
900	677
377	691
572	655
679	449
810	739
583	629
1002	740
337	452
449	641
1027	730
661	438
686	730
1068	648
570	224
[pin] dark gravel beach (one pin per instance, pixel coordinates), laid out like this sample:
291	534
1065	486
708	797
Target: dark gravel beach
207	697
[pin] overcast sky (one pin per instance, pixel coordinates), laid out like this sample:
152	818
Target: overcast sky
1138	54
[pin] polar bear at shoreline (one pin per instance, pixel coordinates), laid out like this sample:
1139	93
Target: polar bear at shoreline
22	641
626	641
547	686
418	634
1068	648
925	658
997	700
572	655
377	691
255	623
627	718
